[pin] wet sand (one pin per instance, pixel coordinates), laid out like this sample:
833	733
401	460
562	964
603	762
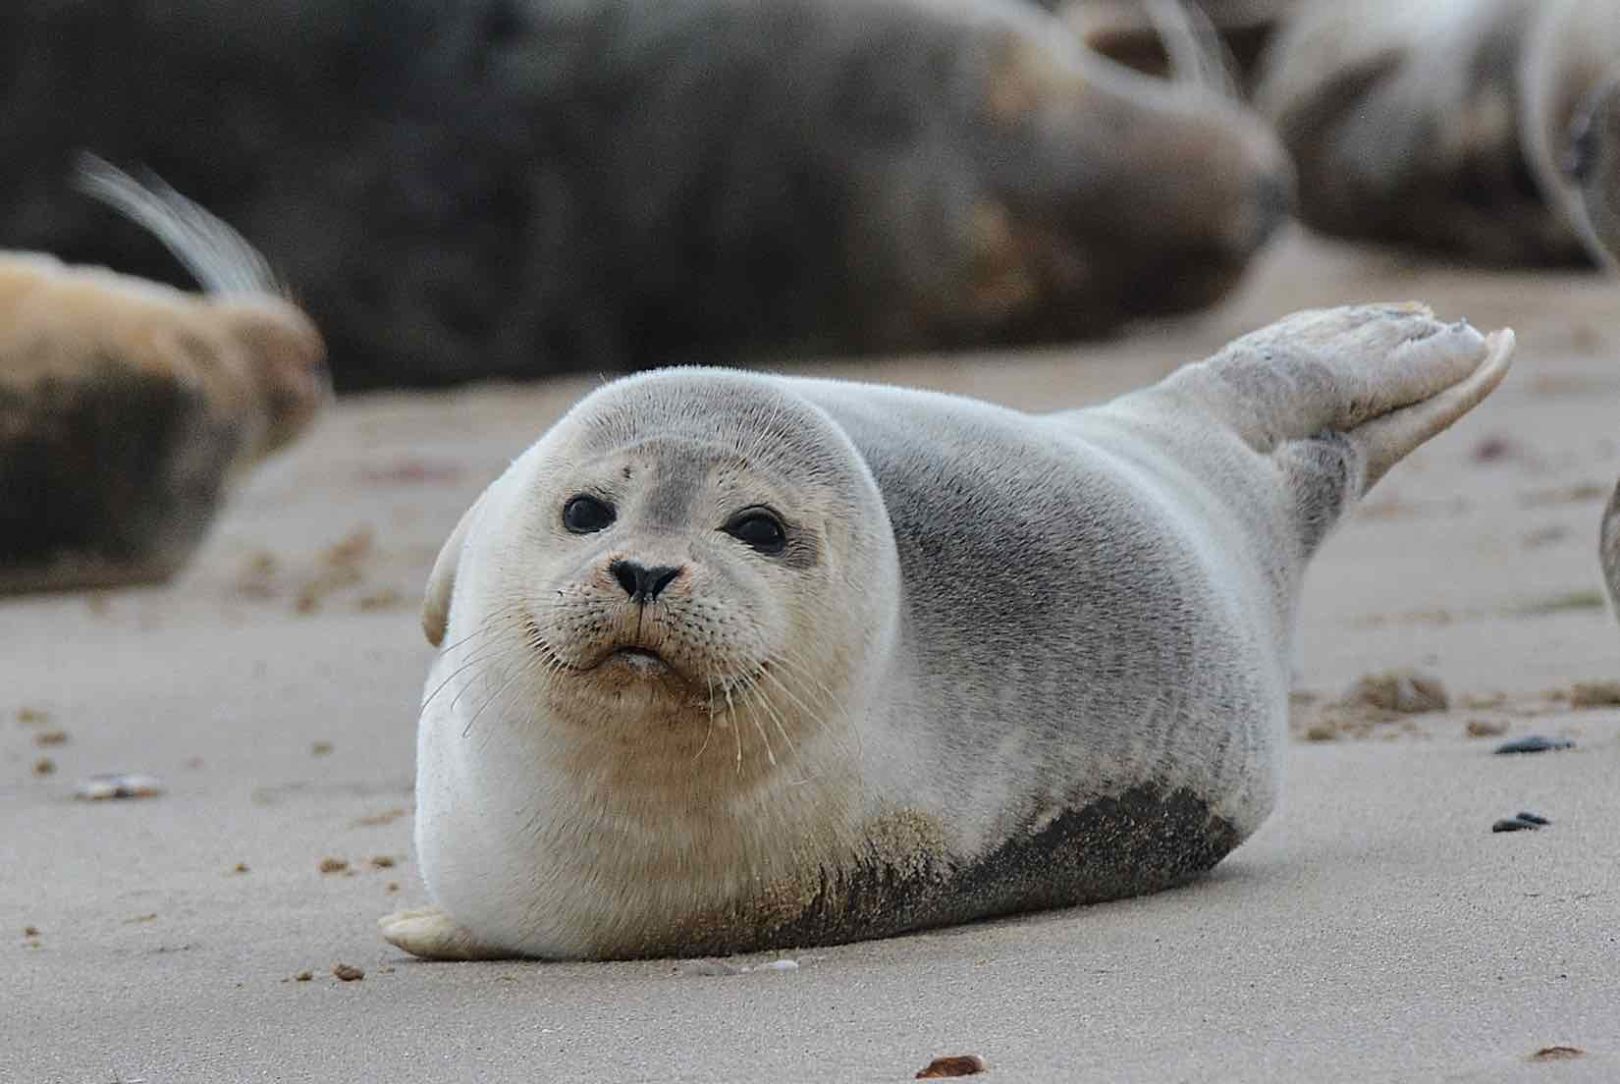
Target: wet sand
1375	928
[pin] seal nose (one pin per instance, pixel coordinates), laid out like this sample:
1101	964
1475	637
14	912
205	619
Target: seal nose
641	583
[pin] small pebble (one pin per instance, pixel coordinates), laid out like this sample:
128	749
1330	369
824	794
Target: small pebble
333	865
44	766
347	973
30	716
303	976
1485	728
116	786
382	861
1514	824
30	931
320	749
952	1065
1557	1053
1534	743
240	867
51	737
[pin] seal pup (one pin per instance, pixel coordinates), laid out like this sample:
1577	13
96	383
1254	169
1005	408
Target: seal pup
127	407
735	662
519	189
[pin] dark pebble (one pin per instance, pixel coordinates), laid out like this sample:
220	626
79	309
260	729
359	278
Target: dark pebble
1533	818
1514	825
1535	743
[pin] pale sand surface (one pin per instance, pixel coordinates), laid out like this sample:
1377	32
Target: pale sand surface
1374	929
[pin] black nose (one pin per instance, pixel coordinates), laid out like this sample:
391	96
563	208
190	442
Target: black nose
641	583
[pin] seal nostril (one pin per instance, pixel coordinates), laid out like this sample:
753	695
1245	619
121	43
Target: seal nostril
641	583
628	573
659	578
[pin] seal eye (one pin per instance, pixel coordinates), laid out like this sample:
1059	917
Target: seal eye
759	529
586	515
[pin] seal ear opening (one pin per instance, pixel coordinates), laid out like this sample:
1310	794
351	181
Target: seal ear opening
441	583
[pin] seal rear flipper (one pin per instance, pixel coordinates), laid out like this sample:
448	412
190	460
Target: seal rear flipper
1338	396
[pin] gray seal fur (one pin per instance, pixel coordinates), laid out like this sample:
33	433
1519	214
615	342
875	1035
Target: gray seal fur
1007	661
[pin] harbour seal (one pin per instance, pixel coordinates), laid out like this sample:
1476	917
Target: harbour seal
1443	125
518	189
1407	124
736	661
127	407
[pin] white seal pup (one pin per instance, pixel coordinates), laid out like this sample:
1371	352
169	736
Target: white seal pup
736	661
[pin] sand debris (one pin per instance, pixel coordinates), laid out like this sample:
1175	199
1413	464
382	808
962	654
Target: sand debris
51	737
377	820
1485	728
1595	694
111	786
1521	822
383	861
1392	696
953	1065
1534	743
303	976
333	865
44	766
347	973
1557	1053
33	716
320	749
1400	692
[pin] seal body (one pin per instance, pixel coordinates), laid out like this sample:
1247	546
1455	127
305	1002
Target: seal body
984	662
128	407
501	188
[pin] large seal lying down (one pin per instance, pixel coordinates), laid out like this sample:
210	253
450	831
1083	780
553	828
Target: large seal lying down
739	661
1443	124
476	188
127	407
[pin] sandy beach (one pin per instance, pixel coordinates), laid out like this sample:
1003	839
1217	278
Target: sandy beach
1376	928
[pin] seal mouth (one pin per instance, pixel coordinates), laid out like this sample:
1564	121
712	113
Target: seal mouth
635	660
635	656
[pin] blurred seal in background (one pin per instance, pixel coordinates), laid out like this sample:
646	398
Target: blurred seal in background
1444	126
128	407
501	188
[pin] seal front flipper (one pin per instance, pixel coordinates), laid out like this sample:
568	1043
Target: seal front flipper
433	935
1338	396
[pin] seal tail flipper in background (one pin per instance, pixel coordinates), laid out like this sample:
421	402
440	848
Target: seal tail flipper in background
220	259
1339	396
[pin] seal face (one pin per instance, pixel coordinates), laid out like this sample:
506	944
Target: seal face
734	661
